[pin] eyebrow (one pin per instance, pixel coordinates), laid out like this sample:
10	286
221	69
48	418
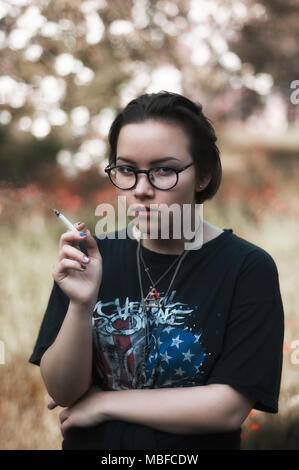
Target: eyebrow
159	160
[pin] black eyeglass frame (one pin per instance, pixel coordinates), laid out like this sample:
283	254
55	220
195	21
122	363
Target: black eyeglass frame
147	172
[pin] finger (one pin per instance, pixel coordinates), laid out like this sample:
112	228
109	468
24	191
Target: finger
63	416
91	246
73	253
67	264
52	404
71	238
79	225
65	426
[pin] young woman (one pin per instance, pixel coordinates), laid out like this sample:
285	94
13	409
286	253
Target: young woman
147	344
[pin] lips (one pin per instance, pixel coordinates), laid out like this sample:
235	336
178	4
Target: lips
142	209
135	210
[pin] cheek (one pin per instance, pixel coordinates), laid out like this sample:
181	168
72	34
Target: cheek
122	201
125	200
124	196
185	192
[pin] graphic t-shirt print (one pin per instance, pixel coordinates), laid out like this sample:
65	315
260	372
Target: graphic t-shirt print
177	354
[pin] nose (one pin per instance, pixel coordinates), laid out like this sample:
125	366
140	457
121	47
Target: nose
143	186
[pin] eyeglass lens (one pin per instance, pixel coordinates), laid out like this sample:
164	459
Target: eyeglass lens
161	178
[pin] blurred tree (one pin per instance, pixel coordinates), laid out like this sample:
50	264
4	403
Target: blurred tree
269	43
26	163
67	66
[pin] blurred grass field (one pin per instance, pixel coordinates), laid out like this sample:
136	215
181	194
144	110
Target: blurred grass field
27	256
257	199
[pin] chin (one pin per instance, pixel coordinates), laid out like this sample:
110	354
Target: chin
149	229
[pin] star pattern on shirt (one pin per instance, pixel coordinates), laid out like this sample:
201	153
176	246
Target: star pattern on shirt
176	342
179	371
165	357
187	355
176	355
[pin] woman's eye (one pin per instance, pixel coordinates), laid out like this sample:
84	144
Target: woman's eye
163	171
125	170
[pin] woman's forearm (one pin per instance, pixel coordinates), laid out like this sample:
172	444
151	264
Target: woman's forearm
186	410
66	366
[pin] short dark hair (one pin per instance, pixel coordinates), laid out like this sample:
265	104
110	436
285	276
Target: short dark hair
176	109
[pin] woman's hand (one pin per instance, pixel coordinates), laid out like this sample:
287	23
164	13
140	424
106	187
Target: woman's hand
88	411
80	284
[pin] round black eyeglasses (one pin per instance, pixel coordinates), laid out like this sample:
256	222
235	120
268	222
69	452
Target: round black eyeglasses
160	177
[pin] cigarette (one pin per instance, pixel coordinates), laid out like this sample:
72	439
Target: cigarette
72	227
65	220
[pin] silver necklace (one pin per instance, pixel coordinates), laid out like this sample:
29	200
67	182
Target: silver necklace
153	294
152	300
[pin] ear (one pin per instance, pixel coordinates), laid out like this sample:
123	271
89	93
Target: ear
202	183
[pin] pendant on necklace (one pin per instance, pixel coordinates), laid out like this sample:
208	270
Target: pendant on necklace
152	298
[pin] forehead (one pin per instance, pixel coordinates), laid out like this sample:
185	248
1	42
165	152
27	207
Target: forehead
152	139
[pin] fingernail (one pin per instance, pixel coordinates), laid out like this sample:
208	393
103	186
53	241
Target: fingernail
85	259
82	234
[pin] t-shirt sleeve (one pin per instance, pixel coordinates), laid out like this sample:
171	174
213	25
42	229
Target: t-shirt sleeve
251	357
51	324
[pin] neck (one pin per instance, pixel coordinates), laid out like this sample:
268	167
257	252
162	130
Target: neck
168	247
171	246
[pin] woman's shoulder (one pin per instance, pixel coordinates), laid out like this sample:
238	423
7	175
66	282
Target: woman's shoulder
246	253
253	257
210	232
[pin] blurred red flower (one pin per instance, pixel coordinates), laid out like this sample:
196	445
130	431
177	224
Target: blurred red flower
105	195
254	426
66	199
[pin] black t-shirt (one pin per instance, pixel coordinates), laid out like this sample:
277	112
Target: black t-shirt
222	323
